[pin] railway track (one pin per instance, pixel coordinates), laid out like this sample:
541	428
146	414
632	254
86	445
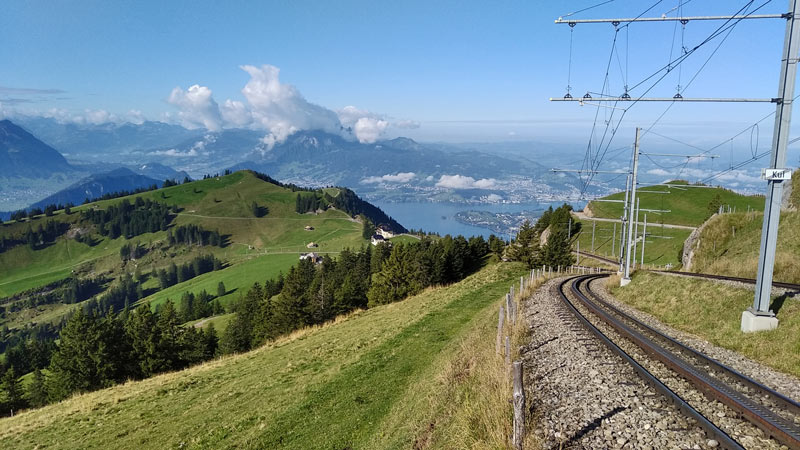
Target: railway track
778	284
772	412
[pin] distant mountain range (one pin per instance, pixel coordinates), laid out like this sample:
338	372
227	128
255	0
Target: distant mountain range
22	155
97	185
396	170
107	139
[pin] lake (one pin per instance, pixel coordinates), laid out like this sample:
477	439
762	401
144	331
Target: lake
440	217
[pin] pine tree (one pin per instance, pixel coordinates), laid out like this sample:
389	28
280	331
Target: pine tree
37	392
221	289
12	388
526	247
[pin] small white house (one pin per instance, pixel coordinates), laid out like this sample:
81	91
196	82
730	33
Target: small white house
377	239
385	232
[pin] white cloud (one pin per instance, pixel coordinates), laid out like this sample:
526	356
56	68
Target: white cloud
402	177
280	108
464	182
407	124
493	198
368	130
236	114
135	117
659	172
175	153
196	107
429	178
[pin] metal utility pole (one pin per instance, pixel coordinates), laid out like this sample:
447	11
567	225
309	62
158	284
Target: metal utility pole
644	237
627	276
759	317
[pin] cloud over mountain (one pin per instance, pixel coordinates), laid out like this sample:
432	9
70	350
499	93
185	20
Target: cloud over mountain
464	182
402	177
277	108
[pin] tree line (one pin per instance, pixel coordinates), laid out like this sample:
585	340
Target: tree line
194	235
557	251
313	294
131	219
97	351
35	238
175	274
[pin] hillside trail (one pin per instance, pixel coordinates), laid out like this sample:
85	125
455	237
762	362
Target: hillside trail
582	216
264	218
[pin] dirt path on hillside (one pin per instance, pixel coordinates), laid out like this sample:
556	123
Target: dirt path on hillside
583	216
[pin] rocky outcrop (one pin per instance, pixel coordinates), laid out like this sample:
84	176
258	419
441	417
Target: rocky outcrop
692	243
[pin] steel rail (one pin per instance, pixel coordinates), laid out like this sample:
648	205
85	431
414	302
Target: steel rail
784	401
779	284
775	426
714	431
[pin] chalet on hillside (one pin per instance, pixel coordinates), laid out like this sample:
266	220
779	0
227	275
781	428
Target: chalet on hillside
377	239
309	228
384	231
314	257
312	245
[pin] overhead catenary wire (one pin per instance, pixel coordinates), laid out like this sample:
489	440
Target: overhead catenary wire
726	26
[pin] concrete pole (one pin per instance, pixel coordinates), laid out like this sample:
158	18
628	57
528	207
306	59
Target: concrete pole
569	229
578	261
593	226
614	239
644	237
636	233
622	228
758	316
627	276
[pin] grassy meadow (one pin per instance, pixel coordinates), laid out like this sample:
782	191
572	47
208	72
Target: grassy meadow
381	378
662	245
687	205
256	249
729	245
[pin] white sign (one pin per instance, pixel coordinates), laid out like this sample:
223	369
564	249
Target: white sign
776	174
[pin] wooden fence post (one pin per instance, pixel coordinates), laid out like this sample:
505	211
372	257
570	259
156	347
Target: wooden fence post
519	406
499	330
508	307
508	350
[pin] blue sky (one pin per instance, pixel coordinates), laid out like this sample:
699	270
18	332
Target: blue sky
464	71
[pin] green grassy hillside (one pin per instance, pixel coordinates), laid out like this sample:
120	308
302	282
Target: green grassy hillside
663	245
370	380
688	205
257	248
729	244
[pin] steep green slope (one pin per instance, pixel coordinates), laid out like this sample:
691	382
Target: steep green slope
330	387
256	248
687	205
662	245
729	243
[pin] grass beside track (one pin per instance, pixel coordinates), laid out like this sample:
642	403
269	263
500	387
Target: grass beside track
336	386
730	243
713	311
663	245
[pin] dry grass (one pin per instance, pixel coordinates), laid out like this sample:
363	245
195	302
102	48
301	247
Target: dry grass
729	245
473	408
